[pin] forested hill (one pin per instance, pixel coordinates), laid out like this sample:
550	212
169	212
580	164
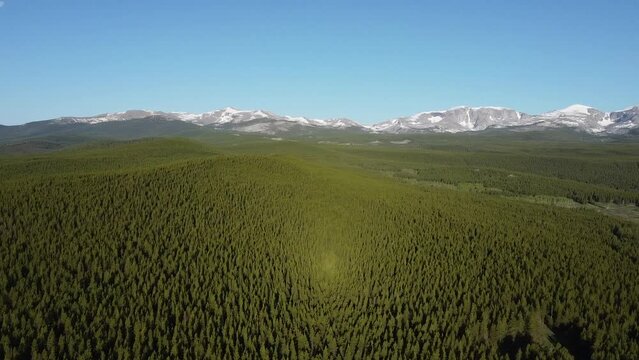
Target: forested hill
169	248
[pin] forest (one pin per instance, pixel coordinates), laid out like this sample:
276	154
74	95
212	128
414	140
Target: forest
246	247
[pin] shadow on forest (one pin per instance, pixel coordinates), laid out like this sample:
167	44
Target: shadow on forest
512	344
569	336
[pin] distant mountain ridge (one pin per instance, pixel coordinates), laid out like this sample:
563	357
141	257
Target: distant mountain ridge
228	118
457	119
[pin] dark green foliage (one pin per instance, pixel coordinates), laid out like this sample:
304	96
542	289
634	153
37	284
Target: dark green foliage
583	172
162	249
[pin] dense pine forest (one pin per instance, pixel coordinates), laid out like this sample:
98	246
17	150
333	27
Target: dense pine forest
240	247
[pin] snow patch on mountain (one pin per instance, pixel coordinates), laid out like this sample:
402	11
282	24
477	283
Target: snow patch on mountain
605	121
572	110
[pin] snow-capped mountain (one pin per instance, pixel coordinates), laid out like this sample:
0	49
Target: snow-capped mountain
578	116
118	116
626	119
458	119
455	120
227	118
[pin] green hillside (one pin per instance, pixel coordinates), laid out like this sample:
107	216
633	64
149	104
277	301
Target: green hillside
321	248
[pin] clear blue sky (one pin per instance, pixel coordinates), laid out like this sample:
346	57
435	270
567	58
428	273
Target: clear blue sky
367	60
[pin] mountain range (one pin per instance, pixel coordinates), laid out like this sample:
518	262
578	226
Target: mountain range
459	119
454	120
259	121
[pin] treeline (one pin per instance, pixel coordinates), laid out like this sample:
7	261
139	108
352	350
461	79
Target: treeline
584	173
268	257
520	183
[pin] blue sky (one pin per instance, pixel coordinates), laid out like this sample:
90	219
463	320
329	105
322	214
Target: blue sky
366	60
